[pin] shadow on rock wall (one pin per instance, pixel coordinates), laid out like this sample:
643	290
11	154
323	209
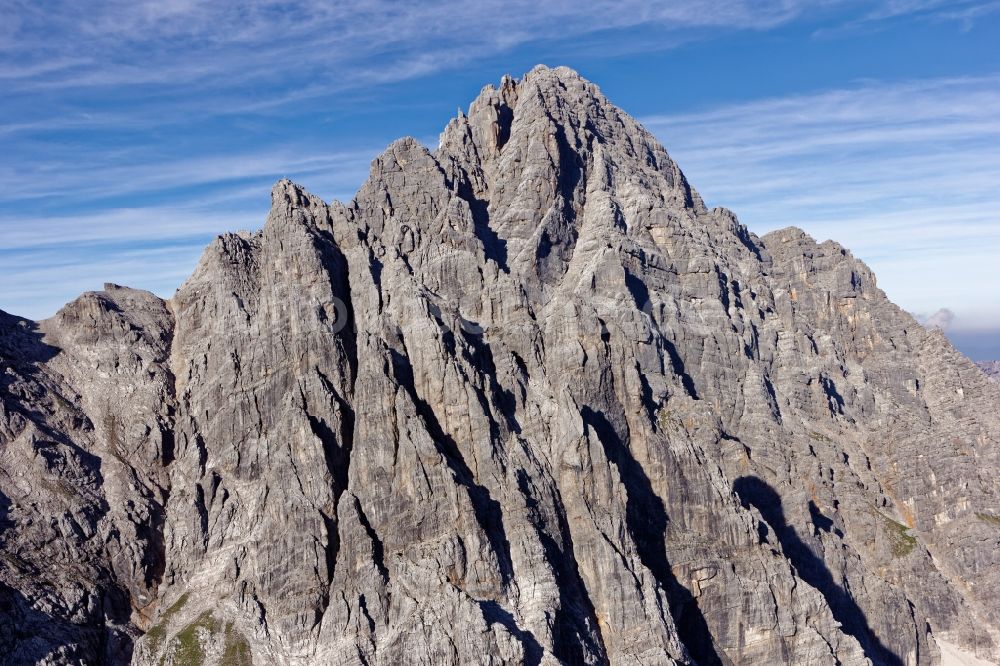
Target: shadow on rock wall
756	493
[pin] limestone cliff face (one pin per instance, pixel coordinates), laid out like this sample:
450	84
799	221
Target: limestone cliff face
525	399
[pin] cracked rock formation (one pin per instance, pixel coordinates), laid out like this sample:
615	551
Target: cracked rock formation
524	400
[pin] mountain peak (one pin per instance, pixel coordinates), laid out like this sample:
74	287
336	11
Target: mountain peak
532	152
524	399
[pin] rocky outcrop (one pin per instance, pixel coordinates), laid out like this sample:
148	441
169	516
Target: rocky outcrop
525	399
85	439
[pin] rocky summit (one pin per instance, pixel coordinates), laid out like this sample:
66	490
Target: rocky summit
525	400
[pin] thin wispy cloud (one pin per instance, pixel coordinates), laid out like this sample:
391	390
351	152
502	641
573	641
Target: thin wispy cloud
942	9
309	35
188	50
903	174
962	12
104	176
53	271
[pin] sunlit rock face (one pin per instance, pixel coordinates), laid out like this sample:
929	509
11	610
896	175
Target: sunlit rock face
525	399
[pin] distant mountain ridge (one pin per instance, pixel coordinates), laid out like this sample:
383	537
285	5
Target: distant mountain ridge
991	368
524	399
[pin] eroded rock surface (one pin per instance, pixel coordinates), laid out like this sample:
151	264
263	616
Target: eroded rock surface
525	399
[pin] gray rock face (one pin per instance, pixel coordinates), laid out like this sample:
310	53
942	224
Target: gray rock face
525	399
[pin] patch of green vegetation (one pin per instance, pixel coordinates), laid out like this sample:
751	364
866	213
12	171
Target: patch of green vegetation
158	632
901	542
59	487
663	419
236	650
186	647
818	436
155	636
989	518
176	606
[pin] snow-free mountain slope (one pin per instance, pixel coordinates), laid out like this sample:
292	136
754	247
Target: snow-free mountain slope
525	399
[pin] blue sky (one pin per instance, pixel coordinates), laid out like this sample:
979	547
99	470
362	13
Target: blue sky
132	132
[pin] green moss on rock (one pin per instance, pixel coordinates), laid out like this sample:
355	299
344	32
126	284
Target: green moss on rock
156	635
236	651
186	648
901	542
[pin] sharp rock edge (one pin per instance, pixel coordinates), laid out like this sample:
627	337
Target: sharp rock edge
525	399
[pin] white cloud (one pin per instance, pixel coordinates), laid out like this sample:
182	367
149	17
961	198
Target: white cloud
942	319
